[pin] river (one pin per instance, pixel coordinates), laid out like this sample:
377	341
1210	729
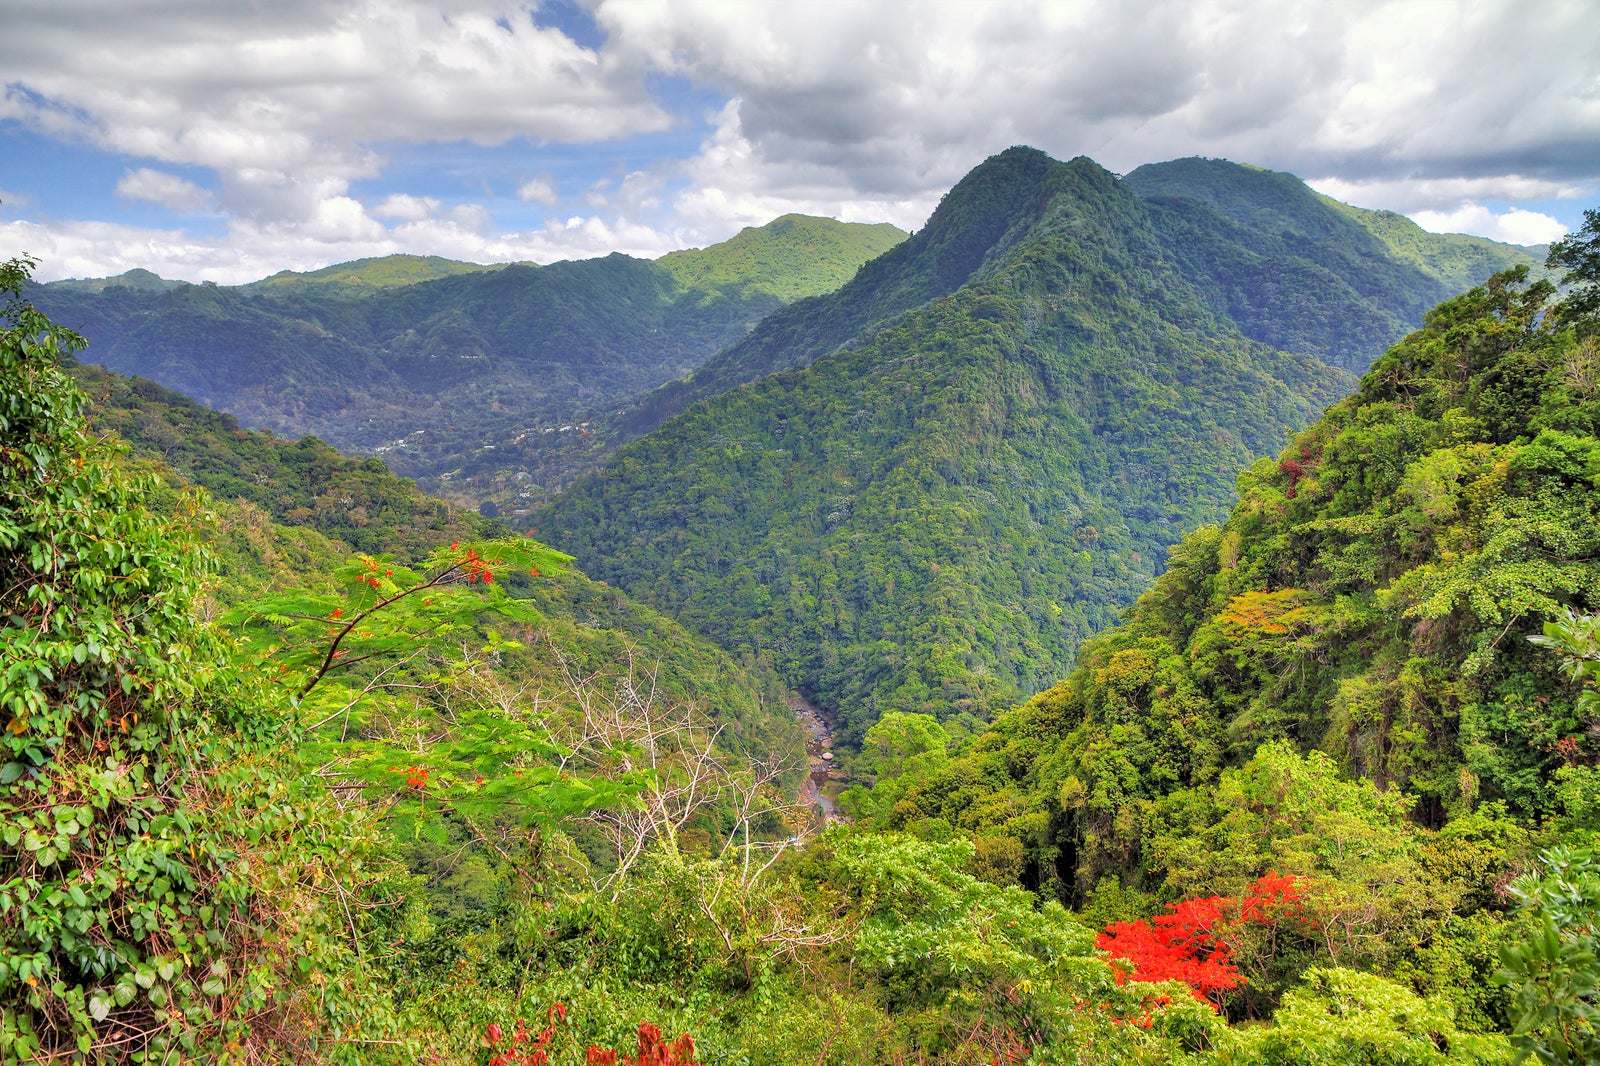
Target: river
825	781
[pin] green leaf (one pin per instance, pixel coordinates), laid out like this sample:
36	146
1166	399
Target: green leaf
99	1007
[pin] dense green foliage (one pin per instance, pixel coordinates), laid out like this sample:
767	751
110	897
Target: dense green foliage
1554	973
1289	267
931	520
303	483
791	257
160	862
364	274
979	216
288	514
1336	683
407	795
1579	257
506	384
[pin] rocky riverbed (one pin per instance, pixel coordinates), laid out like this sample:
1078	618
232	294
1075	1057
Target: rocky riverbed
825	781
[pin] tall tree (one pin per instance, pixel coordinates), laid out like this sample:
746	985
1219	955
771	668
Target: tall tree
1579	253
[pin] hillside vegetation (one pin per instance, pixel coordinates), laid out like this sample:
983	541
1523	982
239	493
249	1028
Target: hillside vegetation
386	271
1305	273
290	513
1337	682
791	257
1287	266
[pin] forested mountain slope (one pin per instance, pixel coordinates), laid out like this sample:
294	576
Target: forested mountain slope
1305	273
372	357
999	198
505	384
1369	597
792	257
289	513
387	271
1284	264
205	856
1291	267
932	518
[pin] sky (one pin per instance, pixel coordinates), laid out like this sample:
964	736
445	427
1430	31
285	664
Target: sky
224	140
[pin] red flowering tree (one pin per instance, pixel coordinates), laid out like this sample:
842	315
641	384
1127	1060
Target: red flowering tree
1191	943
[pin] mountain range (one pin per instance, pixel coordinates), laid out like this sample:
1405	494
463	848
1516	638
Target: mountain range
916	485
936	481
1011	503
426	361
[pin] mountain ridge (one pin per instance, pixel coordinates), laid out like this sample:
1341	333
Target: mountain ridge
1024	446
423	372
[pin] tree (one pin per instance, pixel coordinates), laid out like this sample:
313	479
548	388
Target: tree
1341	1017
1579	253
166	888
1576	638
1554	975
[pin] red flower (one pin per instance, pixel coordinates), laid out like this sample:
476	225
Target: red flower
1188	944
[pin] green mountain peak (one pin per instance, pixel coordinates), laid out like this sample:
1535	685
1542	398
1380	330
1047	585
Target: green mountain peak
791	257
928	514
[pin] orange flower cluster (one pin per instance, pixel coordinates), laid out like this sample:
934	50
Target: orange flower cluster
476	568
523	1047
416	776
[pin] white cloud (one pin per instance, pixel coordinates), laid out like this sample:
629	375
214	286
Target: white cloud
1514	226
406	207
1440	194
250	251
732	186
168	190
866	112
294	93
472	216
102	249
539	190
892	102
264	84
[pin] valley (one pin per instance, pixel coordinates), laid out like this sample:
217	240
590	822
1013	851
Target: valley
1132	618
